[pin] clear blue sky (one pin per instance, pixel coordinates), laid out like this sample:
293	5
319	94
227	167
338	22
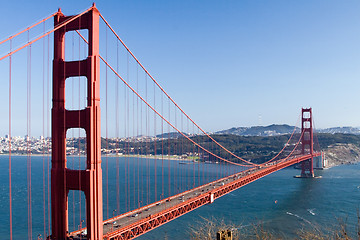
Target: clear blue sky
228	62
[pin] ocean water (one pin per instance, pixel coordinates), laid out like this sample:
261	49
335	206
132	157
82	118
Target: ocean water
283	204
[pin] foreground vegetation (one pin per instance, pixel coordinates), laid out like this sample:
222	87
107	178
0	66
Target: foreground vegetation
206	229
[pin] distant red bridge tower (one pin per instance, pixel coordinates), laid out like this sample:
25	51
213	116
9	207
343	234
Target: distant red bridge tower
307	169
63	179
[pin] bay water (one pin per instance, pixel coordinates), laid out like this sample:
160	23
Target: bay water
282	203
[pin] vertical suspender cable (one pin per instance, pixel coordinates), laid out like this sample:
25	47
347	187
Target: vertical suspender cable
27	136
195	158
106	126
117	131
133	146
72	130
181	169
64	69
29	139
174	153
137	135
169	150
125	166
141	153
201	155
222	165
43	132
162	146
126	92
10	191
48	134
218	169
188	149
128	132
79	130
155	174
146	146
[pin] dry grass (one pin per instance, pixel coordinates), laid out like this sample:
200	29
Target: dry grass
206	229
339	232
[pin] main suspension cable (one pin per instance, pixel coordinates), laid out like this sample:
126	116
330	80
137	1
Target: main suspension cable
47	33
28	28
153	109
232	154
254	164
117	36
286	144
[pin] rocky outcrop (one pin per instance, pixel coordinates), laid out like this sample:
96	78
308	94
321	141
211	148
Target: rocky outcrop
342	153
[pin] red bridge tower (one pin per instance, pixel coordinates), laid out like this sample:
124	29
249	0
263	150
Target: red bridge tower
63	179
307	170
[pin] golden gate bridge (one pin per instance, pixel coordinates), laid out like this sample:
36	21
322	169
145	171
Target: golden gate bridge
141	128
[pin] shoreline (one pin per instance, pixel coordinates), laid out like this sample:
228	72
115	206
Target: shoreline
171	157
175	158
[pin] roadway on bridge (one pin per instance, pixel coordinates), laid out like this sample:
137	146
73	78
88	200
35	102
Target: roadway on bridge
142	220
152	210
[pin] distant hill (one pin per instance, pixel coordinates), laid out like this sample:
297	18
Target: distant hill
345	130
264	131
276	130
171	135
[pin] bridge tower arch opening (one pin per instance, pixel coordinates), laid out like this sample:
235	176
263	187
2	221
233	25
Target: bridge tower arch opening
307	170
64	179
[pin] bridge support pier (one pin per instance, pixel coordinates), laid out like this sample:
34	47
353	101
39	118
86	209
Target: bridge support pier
64	179
307	170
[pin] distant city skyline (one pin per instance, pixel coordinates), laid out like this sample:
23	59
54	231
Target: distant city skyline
232	63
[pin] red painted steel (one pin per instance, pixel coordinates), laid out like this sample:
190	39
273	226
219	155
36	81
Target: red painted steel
307	142
90	180
147	224
167	121
45	34
168	96
27	29
63	179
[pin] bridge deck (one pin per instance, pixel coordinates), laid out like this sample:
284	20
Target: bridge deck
140	221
